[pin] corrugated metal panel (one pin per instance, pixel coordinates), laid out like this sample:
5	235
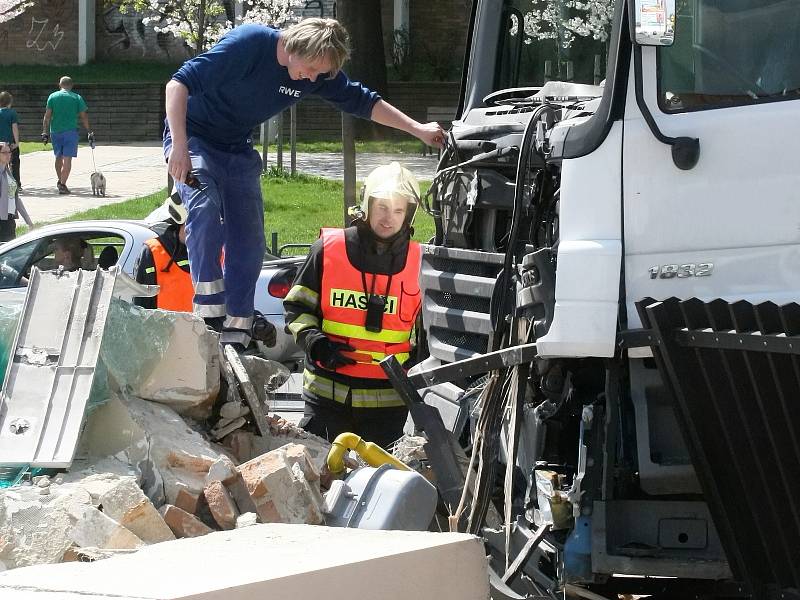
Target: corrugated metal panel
51	370
734	373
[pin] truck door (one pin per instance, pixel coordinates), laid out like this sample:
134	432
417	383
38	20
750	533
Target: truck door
730	226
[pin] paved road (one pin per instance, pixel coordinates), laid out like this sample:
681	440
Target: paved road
137	170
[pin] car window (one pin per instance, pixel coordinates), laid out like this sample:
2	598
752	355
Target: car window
70	251
731	52
14	263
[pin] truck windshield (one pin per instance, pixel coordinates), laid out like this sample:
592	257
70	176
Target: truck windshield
563	40
731	52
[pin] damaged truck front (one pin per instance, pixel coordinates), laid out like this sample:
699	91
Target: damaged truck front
611	286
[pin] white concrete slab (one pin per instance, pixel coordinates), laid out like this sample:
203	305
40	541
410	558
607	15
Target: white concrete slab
295	562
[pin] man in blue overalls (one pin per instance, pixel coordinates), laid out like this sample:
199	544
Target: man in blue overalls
213	103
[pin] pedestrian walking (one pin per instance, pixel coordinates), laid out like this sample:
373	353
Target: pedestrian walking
212	104
60	125
9	132
10	204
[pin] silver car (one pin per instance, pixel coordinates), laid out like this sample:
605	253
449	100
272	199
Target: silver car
118	242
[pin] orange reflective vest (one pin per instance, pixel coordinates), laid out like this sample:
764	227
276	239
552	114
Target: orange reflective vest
176	291
343	301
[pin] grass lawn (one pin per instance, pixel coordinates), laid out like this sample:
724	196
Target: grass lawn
295	207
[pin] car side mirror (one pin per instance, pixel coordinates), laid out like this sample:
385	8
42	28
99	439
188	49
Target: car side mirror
652	22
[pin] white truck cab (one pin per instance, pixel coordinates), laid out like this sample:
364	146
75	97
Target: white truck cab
620	193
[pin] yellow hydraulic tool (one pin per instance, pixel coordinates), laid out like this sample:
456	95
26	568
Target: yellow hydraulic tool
374	455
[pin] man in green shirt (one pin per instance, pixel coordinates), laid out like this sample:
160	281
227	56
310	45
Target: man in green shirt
60	124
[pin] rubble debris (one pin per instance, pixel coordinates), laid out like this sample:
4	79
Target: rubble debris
187	500
221	505
181	370
222	470
245	445
182	523
246	520
77	554
233	410
127	504
241	379
95	529
280	489
226	426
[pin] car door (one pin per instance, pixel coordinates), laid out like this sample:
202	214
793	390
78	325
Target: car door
730	226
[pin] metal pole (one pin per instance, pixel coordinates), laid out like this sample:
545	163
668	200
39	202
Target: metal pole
264	145
349	158
280	141
293	138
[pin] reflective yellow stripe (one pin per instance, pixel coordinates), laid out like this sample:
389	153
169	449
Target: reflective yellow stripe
379	356
380	398
324	387
361	398
388	336
150	270
303	295
182	263
304	321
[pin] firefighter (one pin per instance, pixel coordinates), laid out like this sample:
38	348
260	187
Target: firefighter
164	261
355	301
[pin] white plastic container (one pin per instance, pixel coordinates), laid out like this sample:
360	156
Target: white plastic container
381	498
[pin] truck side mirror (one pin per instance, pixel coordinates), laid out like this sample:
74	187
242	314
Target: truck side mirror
652	22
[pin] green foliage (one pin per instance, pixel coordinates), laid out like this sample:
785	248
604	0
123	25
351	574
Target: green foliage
404	146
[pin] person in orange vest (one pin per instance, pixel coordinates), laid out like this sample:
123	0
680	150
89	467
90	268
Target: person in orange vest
164	261
354	301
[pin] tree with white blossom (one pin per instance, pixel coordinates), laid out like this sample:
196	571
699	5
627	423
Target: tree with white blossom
11	9
201	23
563	20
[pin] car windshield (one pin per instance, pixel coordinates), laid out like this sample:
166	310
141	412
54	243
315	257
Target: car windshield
548	40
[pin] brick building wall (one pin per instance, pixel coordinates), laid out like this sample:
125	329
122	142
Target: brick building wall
120	112
46	33
128	113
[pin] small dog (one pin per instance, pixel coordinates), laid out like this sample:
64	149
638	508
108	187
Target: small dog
98	184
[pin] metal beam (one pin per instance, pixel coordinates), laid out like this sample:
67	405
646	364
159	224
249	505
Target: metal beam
499	359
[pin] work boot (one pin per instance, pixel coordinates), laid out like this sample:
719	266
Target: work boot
214	323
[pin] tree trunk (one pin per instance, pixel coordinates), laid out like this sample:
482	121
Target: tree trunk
367	64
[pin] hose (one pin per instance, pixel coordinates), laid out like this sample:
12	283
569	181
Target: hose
373	455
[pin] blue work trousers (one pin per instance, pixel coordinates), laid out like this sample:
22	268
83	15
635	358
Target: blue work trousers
227	211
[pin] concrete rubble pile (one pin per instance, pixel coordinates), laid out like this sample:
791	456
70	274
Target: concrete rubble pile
145	470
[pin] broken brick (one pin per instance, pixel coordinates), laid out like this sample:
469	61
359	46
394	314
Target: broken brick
182	523
221	505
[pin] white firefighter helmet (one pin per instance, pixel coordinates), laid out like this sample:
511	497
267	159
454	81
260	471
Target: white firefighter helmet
390	182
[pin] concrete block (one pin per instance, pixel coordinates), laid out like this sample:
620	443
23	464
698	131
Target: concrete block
127	504
222	470
182	523
94	529
187	376
273	561
221	505
280	493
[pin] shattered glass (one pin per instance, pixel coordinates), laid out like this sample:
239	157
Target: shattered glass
135	340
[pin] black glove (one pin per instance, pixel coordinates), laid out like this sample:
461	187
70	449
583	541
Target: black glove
90	139
45	137
263	331
328	353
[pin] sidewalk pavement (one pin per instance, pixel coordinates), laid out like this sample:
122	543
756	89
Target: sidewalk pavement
134	170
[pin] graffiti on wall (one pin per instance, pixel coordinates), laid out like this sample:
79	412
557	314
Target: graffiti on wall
41	36
124	35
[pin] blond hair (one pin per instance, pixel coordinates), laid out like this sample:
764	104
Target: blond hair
315	38
65	82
